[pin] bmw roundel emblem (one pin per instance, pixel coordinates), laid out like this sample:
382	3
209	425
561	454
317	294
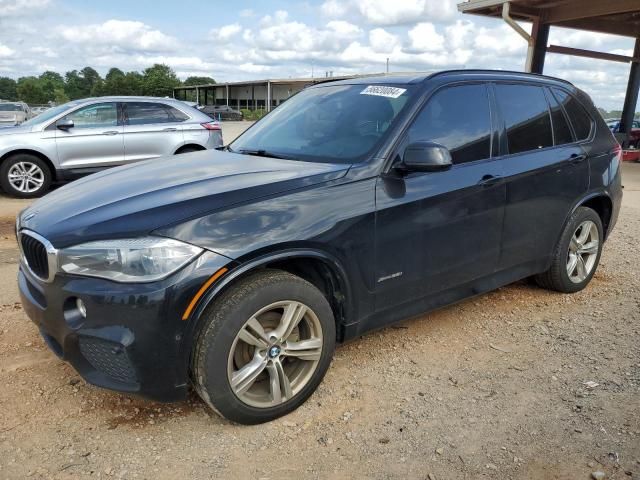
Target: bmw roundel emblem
274	351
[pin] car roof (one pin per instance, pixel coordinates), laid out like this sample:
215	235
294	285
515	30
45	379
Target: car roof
129	98
408	79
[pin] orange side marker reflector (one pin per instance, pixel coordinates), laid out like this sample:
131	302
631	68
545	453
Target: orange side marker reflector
203	289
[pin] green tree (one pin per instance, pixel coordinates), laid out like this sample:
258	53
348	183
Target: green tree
49	82
59	96
73	85
115	83
8	89
79	84
159	81
132	84
90	77
190	81
30	91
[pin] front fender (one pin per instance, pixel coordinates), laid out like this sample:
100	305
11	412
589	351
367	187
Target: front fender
239	269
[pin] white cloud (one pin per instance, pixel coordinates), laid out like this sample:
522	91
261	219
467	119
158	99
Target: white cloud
501	40
396	12
382	41
424	38
385	12
344	29
6	51
128	35
296	39
277	18
334	8
225	33
460	34
247	12
20	8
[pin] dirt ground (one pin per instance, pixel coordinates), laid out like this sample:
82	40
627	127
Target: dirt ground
494	387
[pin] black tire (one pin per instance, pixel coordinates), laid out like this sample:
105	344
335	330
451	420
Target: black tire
43	175
227	316
557	278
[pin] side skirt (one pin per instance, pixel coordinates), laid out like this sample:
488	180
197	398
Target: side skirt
421	306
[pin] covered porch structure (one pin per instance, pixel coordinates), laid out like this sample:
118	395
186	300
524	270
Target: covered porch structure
250	95
617	17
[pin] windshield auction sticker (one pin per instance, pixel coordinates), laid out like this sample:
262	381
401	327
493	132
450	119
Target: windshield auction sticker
380	91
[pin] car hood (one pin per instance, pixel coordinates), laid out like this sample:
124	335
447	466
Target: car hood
13	130
134	200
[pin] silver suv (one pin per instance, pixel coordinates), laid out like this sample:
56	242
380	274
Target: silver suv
14	113
85	136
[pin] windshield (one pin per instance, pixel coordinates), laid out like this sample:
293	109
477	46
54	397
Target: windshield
10	107
51	113
333	123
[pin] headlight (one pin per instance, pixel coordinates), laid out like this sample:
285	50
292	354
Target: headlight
130	260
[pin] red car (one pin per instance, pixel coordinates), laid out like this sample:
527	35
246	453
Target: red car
634	140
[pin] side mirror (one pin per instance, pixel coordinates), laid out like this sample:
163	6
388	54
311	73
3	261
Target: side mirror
426	157
64	124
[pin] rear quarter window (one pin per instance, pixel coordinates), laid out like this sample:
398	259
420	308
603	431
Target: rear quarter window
580	119
561	130
144	113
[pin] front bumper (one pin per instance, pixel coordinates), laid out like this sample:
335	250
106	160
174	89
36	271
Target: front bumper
133	339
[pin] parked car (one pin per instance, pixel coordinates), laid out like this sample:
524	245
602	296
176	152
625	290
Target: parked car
195	105
38	110
354	205
634	134
85	136
222	112
14	113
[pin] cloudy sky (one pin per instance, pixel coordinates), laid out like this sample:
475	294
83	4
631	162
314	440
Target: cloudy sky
279	38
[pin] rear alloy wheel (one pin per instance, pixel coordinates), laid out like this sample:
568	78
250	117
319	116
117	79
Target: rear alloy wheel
264	347
25	176
576	256
583	251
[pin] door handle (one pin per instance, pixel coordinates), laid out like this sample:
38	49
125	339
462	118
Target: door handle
111	132
170	129
575	158
489	180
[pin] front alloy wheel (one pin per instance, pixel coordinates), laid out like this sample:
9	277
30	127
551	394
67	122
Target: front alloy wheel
24	176
263	347
275	354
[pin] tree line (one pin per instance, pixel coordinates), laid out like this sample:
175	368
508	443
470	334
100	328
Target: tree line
158	81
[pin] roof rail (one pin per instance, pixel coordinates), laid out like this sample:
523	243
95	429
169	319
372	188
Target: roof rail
494	72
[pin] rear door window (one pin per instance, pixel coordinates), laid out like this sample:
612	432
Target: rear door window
580	119
458	118
526	116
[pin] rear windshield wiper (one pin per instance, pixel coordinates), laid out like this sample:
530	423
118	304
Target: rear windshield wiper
261	153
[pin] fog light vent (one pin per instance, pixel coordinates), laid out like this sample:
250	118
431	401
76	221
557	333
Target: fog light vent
109	358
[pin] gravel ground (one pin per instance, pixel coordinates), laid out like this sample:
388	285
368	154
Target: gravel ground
493	387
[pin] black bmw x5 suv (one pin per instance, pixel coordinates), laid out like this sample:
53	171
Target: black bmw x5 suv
353	205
